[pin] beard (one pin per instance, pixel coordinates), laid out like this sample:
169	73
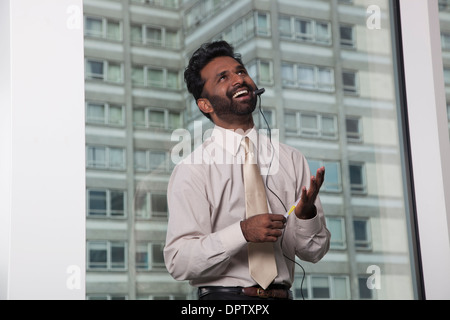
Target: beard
227	106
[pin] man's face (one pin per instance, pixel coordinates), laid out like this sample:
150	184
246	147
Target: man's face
228	87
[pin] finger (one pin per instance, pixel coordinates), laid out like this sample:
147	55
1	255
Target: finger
273	235
320	176
277	217
313	188
277	225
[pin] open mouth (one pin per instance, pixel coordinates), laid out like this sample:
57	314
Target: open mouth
240	93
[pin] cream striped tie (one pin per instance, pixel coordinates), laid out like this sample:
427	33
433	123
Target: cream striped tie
261	259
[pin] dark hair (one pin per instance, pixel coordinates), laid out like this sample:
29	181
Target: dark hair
200	58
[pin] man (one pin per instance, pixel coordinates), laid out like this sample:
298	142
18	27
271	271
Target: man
208	231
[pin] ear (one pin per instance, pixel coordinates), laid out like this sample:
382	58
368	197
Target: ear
204	105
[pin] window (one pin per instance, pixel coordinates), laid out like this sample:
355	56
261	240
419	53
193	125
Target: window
106	203
362	234
241	30
155	161
101	157
297	64
357	178
304	29
262	24
260	71
336	226
106	255
155	77
163	3
103	28
311	125
155	36
151	205
308	77
104	70
347	36
149	256
105	113
364	291
202	11
353	128
349	81
156	118
322	287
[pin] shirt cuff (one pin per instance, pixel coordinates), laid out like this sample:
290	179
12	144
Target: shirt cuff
232	238
309	226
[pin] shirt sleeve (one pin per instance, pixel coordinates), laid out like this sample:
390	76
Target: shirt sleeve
312	236
192	250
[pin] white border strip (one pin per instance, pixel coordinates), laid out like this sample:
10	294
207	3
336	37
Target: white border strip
430	146
42	152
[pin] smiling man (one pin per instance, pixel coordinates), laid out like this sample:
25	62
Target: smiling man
210	233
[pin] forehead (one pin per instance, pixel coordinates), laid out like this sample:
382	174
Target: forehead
217	66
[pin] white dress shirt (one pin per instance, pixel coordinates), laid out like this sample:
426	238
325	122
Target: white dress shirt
206	200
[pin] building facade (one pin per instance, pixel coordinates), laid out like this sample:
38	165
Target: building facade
330	73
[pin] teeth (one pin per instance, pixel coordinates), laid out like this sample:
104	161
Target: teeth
237	94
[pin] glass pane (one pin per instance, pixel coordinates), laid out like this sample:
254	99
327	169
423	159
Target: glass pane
340	290
136	34
155	78
444	9
335	225
345	117
139	117
116	158
117	203
306	77
115	115
113	31
142	256
97	203
174	120
95	69
137	75
157	160
284	25
96	157
95	113
320	288
157	255
114	72
94	27
117	256
154	36
332	176
172	80
97	255
159	205
156	118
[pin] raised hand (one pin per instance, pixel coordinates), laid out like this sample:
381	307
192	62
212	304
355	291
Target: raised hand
306	209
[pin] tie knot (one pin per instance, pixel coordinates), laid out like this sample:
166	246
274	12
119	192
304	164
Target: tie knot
246	144
249	150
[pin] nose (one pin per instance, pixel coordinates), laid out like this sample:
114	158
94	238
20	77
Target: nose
237	80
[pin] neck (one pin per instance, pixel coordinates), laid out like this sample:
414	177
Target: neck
242	123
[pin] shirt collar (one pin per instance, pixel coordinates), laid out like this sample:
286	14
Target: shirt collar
230	140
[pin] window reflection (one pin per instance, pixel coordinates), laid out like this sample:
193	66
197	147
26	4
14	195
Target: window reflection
329	90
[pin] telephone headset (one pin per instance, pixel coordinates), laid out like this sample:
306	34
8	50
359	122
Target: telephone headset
258	93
